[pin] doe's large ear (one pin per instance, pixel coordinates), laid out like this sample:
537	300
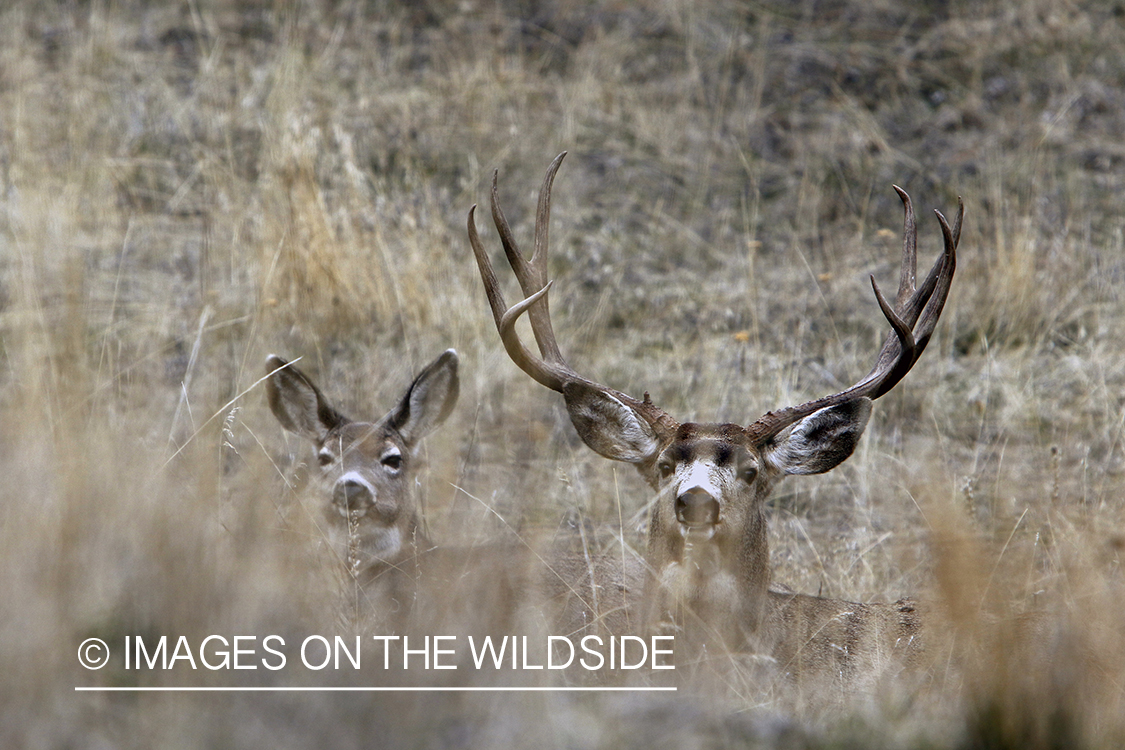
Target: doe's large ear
608	426
429	400
297	403
821	441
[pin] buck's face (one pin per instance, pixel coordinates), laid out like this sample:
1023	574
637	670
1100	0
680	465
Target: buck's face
711	484
366	469
707	539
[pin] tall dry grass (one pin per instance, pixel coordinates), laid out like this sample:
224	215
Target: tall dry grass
187	188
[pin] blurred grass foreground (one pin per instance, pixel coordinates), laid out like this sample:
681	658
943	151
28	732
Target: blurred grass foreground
186	187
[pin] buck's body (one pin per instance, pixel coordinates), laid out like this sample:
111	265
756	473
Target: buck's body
845	641
708	577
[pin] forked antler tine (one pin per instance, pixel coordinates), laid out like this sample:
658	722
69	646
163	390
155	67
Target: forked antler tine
507	323
921	299
552	376
552	370
918	320
913	318
909	301
895	360
532	275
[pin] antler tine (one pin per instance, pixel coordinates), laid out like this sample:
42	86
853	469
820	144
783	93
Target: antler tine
913	320
542	225
909	250
487	275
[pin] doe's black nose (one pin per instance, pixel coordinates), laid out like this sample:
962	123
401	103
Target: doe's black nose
352	495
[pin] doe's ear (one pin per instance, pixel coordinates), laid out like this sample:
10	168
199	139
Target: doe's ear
297	403
821	441
429	400
608	426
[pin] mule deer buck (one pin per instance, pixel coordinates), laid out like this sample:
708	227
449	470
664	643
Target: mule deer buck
365	477
707	549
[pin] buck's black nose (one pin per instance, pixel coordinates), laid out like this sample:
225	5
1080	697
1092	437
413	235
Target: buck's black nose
696	507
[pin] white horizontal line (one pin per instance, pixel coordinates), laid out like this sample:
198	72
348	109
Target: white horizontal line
374	689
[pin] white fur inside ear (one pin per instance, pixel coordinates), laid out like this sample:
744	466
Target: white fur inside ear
821	441
608	426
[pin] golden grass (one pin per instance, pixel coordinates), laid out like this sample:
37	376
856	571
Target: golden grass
186	189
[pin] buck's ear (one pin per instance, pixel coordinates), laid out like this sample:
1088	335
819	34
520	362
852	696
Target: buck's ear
297	403
429	400
608	426
821	441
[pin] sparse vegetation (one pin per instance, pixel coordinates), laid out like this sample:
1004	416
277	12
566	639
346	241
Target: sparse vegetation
187	187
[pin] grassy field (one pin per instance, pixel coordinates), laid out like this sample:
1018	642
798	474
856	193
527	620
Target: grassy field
187	187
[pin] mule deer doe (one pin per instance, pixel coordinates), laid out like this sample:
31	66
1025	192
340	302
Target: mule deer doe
367	467
707	550
366	473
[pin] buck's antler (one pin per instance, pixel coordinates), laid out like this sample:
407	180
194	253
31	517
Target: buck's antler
915	308
551	369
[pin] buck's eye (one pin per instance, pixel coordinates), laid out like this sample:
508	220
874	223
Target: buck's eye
748	474
666	469
325	458
392	461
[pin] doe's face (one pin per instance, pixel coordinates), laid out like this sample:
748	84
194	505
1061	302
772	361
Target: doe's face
366	469
364	478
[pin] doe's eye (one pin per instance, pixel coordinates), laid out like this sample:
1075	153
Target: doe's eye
324	459
392	461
